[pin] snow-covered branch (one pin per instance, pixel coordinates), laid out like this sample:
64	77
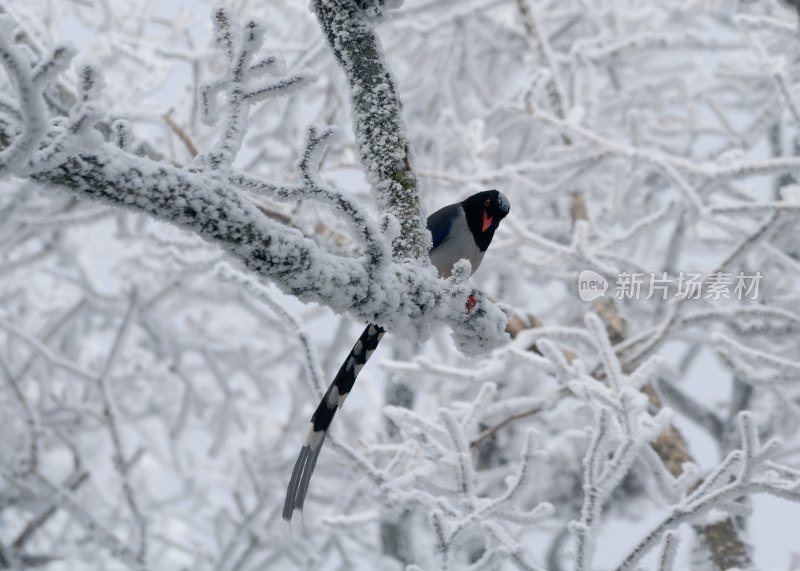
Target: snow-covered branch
444	485
240	46
748	470
378	124
314	188
400	296
653	144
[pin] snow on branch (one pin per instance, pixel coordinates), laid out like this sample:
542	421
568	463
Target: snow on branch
623	426
755	365
240	47
648	140
28	111
748	470
313	188
377	120
293	323
69	153
622	432
432	471
65	500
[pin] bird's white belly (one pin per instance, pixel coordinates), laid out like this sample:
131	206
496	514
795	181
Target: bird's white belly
452	250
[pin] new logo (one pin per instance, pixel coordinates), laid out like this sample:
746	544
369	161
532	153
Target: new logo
591	285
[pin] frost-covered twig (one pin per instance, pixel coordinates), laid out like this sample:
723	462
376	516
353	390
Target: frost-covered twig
600	478
754	365
75	481
622	427
478	510
602	50
377	120
674	167
31	418
43	143
29	105
451	496
669	550
65	500
217	212
751	471
555	91
543	403
240	47
245	528
121	463
776	69
44	352
647	341
313	188
311	361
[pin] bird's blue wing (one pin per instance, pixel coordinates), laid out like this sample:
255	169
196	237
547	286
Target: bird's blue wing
440	223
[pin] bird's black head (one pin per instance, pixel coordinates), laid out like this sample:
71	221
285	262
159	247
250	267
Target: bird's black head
484	211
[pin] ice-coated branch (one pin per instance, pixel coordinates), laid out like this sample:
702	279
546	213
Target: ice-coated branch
623	427
544	55
647	341
65	500
43	143
600	477
31	418
213	210
669	550
121	463
72	483
377	121
311	360
29	107
702	415
755	365
45	353
748	470
239	47
612	365
777	69
313	188
433	471
474	509
396	295
527	407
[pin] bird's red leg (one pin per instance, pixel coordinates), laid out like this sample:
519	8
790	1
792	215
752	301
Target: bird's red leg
471	302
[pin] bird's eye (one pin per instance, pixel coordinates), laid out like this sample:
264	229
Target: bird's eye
488	202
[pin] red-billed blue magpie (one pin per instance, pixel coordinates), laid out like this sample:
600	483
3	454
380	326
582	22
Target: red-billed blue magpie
459	231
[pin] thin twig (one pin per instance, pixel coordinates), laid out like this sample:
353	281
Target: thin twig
109	412
550	402
182	135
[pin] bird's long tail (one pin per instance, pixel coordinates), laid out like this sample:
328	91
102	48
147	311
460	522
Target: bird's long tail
322	417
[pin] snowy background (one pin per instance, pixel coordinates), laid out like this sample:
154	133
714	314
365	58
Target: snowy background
157	373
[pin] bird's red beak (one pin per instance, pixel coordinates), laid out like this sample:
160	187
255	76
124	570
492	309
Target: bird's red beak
487	221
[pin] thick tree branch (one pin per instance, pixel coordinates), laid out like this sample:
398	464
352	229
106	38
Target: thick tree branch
377	120
217	213
70	155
